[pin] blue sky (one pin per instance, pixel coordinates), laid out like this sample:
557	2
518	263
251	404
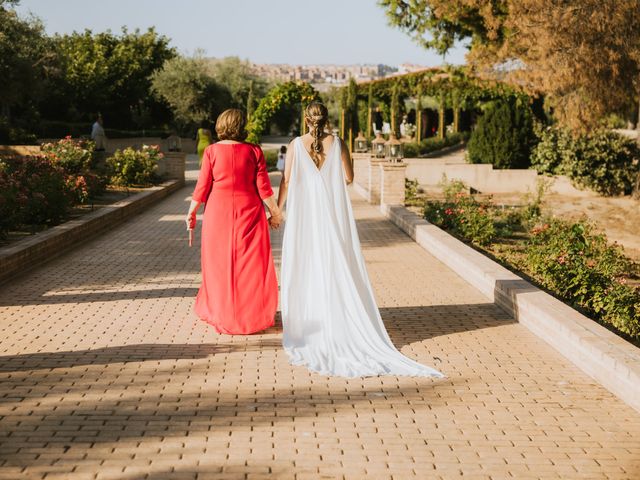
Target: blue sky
263	31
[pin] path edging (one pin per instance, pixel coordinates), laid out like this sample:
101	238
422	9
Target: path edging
601	354
38	249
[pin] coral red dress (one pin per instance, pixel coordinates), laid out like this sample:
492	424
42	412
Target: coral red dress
239	291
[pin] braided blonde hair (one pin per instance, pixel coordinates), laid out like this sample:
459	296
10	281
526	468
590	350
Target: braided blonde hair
316	116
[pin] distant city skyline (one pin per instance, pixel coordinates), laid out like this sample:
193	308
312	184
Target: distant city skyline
294	32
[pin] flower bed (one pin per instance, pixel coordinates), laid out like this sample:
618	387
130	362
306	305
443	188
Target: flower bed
572	260
40	191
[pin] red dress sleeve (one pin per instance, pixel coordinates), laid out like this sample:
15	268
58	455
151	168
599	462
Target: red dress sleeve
205	178
262	179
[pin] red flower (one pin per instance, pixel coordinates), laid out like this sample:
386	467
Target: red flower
448	211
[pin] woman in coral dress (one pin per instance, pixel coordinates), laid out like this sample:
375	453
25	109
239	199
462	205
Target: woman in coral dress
239	291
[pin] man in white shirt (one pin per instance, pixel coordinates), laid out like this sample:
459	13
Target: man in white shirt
98	135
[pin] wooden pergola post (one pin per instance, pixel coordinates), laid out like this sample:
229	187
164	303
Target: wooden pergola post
419	114
441	113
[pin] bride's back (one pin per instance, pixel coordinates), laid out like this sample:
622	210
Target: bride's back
318	144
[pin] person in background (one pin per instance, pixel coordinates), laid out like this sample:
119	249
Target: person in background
203	139
281	156
98	136
378	121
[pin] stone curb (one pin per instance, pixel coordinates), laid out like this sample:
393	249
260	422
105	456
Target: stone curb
31	252
609	359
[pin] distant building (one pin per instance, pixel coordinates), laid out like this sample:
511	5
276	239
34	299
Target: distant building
323	74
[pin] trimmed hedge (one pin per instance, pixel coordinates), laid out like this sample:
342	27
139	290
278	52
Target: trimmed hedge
429	145
603	161
504	135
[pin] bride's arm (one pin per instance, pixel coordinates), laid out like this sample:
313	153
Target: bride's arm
346	162
284	182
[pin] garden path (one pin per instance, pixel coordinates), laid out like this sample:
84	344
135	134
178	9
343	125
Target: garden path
106	373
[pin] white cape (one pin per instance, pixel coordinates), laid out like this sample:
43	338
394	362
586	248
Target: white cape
330	317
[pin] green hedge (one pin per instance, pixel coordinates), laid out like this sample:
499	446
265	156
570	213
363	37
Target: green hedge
59	129
504	135
603	161
131	167
429	145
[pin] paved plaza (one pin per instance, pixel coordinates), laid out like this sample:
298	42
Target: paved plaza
106	373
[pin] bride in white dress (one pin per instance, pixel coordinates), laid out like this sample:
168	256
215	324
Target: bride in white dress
330	317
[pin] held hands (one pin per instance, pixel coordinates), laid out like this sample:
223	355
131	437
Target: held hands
276	219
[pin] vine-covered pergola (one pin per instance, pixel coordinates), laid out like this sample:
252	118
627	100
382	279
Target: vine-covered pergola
289	93
450	88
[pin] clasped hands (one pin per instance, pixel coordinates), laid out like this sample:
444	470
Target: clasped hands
276	219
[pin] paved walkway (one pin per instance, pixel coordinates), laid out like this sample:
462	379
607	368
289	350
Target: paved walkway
106	373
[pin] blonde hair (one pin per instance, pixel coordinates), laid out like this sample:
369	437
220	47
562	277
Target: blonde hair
316	117
230	125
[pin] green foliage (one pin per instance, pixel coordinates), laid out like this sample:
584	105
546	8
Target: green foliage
578	265
351	109
74	156
457	84
191	92
433	144
462	214
603	161
11	135
106	73
23	60
571	259
271	158
437	28
238	78
132	167
504	135
289	93
35	189
411	191
395	110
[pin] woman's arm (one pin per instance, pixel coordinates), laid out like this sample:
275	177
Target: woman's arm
191	215
284	181
346	162
203	188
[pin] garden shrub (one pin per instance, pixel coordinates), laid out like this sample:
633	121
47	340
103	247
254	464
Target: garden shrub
8	200
604	161
504	135
39	189
271	158
432	144
75	158
578	264
12	135
462	214
570	259
135	167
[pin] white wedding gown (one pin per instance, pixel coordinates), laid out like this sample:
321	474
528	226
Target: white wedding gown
330	317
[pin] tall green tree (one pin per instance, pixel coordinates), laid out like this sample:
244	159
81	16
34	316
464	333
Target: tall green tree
191	92
351	113
25	59
106	73
238	77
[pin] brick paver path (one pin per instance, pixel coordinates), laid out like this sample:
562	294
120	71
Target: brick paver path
106	373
